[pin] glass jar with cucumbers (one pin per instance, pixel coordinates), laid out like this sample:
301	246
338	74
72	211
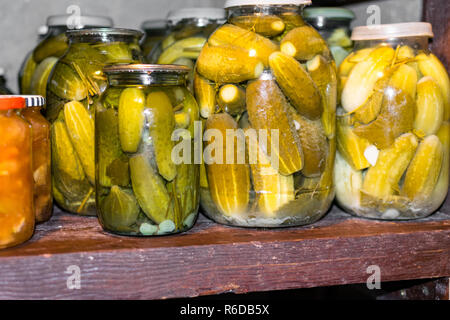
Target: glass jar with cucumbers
155	31
38	64
268	79
73	90
334	25
393	124
189	30
146	176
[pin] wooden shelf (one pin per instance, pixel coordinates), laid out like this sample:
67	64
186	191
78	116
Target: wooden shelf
213	259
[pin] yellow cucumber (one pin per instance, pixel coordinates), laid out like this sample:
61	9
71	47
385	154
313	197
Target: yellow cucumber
430	107
131	118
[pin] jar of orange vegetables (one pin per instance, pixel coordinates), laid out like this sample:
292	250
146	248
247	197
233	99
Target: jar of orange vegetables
16	176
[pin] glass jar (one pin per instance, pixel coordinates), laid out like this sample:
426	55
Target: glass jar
43	199
36	68
145	184
73	89
3	88
393	124
247	81
16	176
334	26
189	30
155	32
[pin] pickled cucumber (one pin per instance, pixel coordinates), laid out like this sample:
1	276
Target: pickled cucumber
351	147
228	64
430	65
112	167
272	189
304	43
430	107
28	71
205	94
268	110
348	182
150	190
423	173
364	76
231	99
131	118
66	83
268	26
81	130
314	144
51	47
119	210
40	76
187	48
250	42
161	120
289	73
324	76
382	179
229	184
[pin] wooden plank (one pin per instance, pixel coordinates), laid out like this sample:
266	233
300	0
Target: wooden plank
436	12
213	259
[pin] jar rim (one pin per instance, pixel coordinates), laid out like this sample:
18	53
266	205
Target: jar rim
395	30
209	13
33	100
238	3
93	21
104	32
146	69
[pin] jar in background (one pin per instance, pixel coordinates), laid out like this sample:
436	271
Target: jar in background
155	32
3	88
189	30
247	77
334	26
36	68
141	189
73	89
43	200
393	124
16	178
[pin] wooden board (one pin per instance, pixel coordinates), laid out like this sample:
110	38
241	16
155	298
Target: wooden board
212	259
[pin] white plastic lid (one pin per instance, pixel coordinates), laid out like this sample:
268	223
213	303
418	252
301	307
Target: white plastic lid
238	3
2	72
33	100
92	21
156	24
396	30
176	16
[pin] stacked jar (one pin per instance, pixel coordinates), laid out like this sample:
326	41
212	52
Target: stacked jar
393	124
146	178
36	68
17	217
155	32
334	25
73	90
269	78
189	30
43	199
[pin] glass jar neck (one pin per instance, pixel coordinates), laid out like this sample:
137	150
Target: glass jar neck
416	43
194	22
323	23
144	79
263	10
102	38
